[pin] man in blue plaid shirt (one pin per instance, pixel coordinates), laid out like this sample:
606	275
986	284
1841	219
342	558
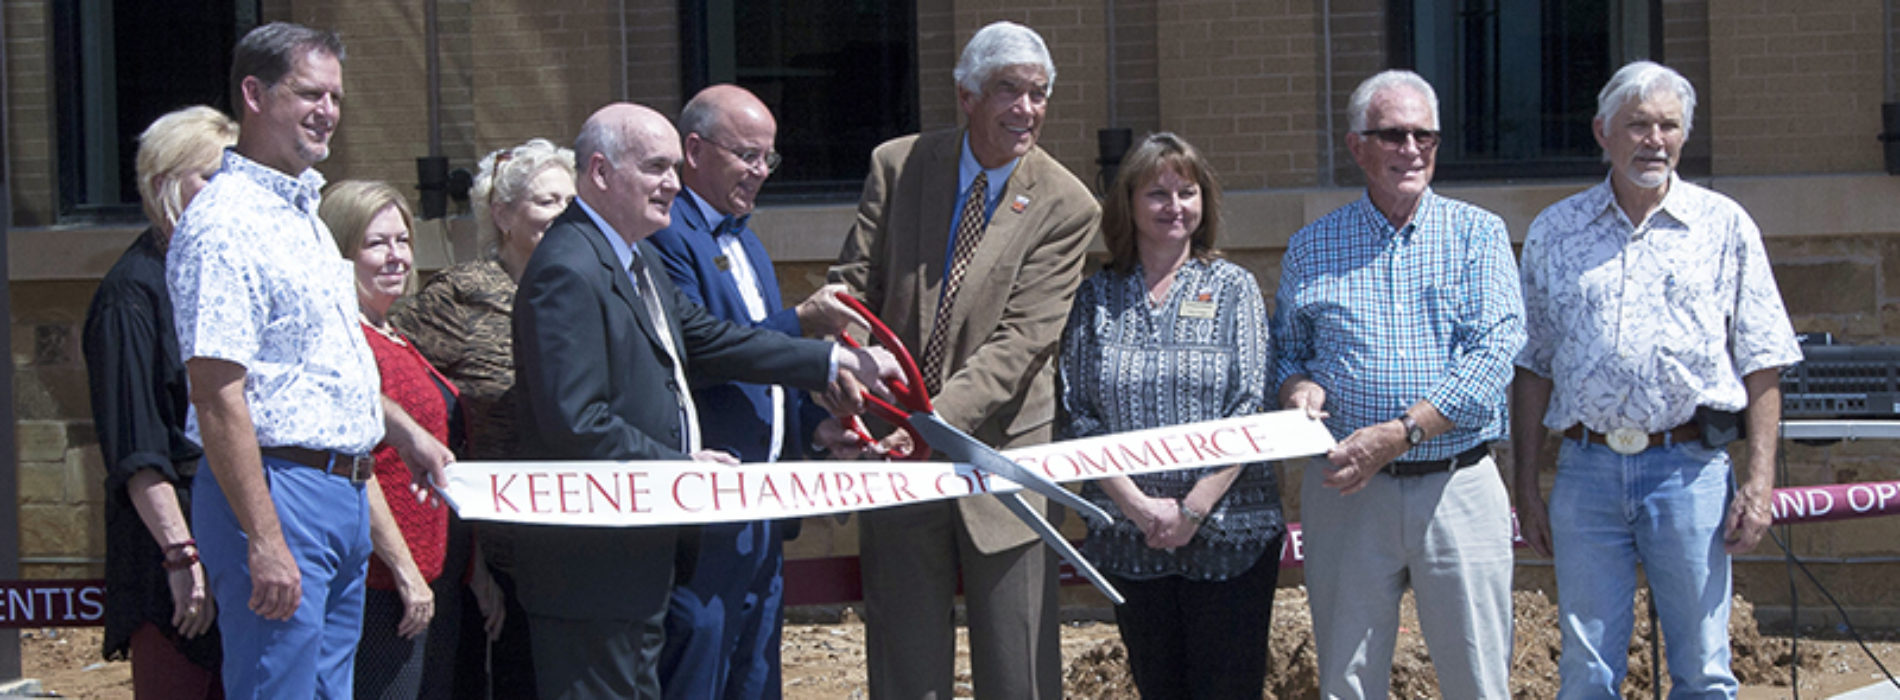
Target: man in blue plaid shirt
1396	322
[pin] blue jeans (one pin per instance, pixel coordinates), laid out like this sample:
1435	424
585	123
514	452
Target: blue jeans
1663	507
325	521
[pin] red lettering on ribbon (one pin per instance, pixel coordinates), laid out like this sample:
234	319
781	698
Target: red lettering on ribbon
676	491
499	489
900	487
738	490
845	486
635	491
535	492
768	489
1137	458
560	486
803	495
610	495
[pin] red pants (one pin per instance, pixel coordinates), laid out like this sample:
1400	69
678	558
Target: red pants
159	671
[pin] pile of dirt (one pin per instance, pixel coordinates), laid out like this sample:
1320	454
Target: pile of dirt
1101	670
826	661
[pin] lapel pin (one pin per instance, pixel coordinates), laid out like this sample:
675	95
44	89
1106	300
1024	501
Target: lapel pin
724	263
1021	203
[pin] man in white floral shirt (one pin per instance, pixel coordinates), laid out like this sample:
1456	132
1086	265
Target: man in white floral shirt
1654	320
284	391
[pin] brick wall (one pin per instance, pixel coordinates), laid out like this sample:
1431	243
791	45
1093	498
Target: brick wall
1796	87
1686	49
29	136
1238	80
1077	39
1359	52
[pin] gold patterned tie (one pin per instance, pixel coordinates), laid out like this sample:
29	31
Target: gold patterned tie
970	227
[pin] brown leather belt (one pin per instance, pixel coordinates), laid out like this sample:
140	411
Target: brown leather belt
356	468
1687	432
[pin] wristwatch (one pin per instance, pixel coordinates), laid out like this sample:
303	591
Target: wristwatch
1414	433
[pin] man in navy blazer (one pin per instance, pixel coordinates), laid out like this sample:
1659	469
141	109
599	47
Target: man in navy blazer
602	341
722	626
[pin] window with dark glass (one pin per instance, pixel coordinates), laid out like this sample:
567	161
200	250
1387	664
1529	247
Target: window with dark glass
841	77
1517	79
118	65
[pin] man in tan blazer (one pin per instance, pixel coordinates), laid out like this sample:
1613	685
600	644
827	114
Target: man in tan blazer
976	282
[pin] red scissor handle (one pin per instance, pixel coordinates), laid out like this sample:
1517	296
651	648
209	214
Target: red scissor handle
910	391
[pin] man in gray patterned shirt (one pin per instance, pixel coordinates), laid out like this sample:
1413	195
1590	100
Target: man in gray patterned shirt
1653	319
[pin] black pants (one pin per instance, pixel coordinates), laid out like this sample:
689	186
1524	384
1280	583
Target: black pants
1200	639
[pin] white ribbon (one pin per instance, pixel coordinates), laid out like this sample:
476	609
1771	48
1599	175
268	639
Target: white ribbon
637	493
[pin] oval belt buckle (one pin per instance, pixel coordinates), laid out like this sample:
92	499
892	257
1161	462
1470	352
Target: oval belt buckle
1627	441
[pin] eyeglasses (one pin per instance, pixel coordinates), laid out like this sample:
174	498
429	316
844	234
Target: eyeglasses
1427	138
752	157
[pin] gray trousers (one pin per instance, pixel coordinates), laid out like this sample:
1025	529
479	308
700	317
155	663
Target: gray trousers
1448	537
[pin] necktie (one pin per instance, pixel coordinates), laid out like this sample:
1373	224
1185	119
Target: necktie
970	227
689	414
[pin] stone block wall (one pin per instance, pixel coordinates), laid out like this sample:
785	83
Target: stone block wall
61	474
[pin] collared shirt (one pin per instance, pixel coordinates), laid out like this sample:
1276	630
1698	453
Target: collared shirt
967	168
746	279
740	266
1200	354
256	279
1638	324
1382	317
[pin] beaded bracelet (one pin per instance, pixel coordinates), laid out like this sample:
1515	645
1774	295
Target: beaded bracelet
187	556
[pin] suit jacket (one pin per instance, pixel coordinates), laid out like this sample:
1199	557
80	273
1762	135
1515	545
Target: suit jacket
596	383
733	416
1015	296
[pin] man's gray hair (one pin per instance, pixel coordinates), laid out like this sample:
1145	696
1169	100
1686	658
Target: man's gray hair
1001	45
602	136
1361	101
268	52
1641	80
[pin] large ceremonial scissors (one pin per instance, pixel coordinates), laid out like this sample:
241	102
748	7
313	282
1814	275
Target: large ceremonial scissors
918	418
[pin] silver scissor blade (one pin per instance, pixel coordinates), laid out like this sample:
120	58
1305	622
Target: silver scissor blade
963	448
1055	540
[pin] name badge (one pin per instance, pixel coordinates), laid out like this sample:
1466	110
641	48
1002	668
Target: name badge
1197	309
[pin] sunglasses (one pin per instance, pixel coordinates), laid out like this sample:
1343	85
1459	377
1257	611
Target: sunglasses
1427	138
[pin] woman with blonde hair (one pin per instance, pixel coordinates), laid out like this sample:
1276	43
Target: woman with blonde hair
158	605
1169	333
407	647
462	320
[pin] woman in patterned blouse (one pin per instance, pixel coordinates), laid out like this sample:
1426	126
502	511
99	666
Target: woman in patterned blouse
462	321
1170	333
418	566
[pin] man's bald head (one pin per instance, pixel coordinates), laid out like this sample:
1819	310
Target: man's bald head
729	147
626	155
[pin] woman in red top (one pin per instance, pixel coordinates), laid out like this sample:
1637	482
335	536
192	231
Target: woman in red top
409	526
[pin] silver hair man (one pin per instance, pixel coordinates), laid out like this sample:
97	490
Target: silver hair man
1641	80
999	45
1362	96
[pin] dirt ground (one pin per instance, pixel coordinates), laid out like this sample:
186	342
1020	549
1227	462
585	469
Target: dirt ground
826	661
